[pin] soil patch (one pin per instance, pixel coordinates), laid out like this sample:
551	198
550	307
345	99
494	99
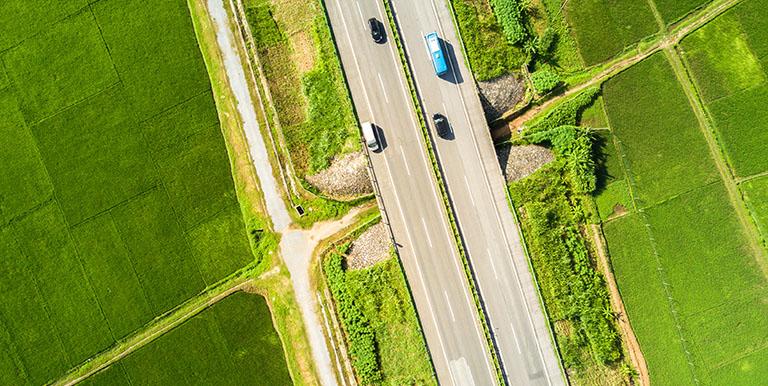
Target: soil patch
519	162
500	95
347	177
370	248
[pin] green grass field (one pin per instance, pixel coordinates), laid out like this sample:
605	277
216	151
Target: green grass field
662	142
692	284
604	28
718	292
724	60
756	196
231	343
673	10
116	196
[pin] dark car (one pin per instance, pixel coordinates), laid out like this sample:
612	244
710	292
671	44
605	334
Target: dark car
442	126
378	33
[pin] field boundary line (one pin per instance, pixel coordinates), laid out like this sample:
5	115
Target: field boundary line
85	274
661	271
103	41
750	178
707	128
43	301
185	311
133	267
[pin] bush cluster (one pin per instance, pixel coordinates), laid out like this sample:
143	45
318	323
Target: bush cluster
362	341
545	80
510	16
567	112
574	145
572	288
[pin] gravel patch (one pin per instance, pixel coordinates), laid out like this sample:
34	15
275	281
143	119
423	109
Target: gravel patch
347	177
500	94
370	248
519	162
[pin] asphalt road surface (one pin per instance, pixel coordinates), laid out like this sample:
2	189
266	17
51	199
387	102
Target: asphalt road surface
411	199
478	193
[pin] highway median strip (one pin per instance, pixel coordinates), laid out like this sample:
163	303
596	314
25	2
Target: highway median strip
428	141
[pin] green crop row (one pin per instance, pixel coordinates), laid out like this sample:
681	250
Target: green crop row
117	201
604	28
232	342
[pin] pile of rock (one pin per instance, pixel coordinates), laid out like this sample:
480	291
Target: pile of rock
519	162
370	248
346	177
500	95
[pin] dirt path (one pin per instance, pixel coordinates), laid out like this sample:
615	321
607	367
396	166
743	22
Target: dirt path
297	247
617	304
685	28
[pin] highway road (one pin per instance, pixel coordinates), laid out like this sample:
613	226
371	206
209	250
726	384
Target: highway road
478	193
411	199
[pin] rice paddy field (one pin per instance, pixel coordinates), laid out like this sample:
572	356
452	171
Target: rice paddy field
673	10
604	28
117	202
231	343
693	283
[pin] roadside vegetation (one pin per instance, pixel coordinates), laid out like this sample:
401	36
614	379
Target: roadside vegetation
556	206
383	335
489	53
307	90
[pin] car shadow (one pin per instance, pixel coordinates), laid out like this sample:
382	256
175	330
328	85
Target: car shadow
454	74
379	132
383	29
447	135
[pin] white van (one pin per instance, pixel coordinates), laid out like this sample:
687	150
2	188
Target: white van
369	134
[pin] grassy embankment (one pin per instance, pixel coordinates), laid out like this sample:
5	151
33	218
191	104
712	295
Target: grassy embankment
381	330
313	118
556	206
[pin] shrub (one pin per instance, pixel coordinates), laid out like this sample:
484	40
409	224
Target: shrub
362	342
510	16
574	145
567	112
545	80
